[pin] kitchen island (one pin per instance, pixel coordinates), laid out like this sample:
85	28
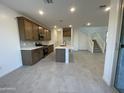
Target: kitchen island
31	55
63	54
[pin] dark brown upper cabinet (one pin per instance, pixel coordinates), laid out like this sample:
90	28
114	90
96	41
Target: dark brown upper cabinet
28	30
67	32
44	34
48	35
25	29
41	33
32	31
35	32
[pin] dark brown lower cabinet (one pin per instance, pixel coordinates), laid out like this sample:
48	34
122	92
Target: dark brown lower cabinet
30	57
50	49
60	55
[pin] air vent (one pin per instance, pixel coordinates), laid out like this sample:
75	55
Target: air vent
48	1
102	6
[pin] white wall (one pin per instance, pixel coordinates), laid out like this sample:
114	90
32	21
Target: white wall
53	37
81	36
112	42
10	56
59	38
100	30
83	41
75	38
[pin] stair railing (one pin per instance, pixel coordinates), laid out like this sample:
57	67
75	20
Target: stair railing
91	45
100	41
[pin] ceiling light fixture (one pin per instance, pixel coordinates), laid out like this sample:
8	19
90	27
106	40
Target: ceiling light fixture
41	12
107	9
88	24
70	26
40	27
59	29
55	26
72	9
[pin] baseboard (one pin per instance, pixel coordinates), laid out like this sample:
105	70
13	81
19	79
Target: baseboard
10	70
106	81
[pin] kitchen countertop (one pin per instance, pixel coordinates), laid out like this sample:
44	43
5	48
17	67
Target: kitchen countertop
31	48
63	47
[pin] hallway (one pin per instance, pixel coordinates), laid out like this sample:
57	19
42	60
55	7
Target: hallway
84	75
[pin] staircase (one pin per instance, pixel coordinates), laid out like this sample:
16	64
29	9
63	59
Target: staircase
96	48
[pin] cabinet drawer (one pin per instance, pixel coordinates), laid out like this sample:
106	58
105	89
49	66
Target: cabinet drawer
35	55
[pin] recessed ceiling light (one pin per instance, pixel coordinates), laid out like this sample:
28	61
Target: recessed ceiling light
72	9
107	9
59	29
40	27
70	26
41	12
55	26
88	24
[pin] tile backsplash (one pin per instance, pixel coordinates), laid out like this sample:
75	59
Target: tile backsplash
27	43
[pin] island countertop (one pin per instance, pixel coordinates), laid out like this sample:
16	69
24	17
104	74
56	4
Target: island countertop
62	53
63	47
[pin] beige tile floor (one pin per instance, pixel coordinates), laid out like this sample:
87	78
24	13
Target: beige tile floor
82	75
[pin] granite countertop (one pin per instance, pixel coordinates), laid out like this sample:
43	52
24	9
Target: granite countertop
63	47
31	48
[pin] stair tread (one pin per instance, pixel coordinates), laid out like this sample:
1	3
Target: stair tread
97	48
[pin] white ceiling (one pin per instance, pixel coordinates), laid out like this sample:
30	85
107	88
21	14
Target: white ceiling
86	11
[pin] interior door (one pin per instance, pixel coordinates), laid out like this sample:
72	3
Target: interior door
119	80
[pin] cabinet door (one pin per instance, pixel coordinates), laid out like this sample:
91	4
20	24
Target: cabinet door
45	34
35	32
41	33
67	32
49	35
28	30
50	48
41	53
35	56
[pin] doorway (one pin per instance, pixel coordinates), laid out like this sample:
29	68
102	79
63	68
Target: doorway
119	77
